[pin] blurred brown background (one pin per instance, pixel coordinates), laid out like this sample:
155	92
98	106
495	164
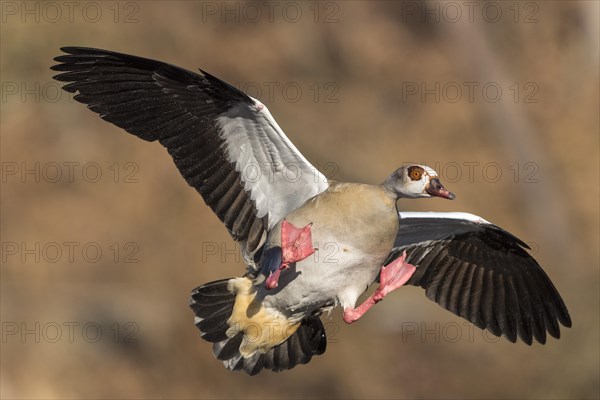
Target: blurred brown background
360	87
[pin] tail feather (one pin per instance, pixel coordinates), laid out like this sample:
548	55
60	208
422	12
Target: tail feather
212	310
216	336
213	304
229	348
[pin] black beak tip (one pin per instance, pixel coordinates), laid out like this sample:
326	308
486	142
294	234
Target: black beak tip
451	196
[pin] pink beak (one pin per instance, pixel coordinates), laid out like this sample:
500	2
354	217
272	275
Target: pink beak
435	188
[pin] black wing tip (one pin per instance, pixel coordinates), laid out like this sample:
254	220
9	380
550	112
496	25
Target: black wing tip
75	49
75	54
78	50
70	57
549	324
540	338
566	321
528	340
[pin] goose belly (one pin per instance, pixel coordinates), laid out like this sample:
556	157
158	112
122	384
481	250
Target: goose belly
336	274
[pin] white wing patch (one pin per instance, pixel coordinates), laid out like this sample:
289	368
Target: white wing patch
451	215
277	176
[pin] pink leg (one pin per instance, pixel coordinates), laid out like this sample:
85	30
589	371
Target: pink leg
391	277
296	245
353	314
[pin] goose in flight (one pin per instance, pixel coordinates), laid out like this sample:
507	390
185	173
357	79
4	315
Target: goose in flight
286	217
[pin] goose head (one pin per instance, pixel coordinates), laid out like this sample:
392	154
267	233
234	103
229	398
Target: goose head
415	181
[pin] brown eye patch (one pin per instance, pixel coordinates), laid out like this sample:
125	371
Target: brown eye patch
415	173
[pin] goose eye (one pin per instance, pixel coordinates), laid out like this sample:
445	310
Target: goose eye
415	174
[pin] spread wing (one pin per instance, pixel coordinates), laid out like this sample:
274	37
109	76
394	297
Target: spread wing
225	143
481	273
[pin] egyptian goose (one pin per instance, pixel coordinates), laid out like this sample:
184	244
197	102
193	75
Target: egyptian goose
284	214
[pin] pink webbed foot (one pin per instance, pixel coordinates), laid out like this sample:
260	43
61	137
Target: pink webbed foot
391	277
296	245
